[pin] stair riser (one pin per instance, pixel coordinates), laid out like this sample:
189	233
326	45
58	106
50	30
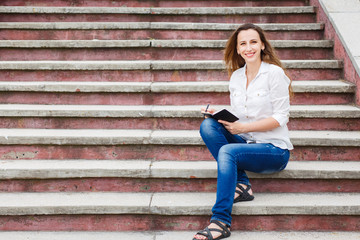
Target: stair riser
27	54
152	76
157	98
154	3
160	152
111	34
176	223
174	185
264	18
162	123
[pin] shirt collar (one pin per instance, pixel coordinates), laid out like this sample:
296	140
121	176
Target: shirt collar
264	67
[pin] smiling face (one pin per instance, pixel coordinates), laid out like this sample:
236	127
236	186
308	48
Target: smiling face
249	46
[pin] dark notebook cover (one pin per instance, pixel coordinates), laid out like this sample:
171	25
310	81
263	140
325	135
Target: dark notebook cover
224	115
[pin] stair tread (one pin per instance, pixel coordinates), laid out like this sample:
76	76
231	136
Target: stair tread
153	65
158	10
175	235
158	26
46	169
153	43
158	111
156	137
190	86
175	203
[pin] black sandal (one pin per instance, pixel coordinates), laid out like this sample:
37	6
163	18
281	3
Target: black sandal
225	232
243	194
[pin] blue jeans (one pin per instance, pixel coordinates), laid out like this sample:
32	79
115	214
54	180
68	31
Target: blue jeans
234	156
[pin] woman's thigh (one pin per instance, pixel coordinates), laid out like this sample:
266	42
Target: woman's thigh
257	157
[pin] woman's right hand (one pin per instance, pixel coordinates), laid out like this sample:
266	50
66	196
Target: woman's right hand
209	110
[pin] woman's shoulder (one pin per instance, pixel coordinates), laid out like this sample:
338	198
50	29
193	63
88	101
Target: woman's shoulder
274	68
238	73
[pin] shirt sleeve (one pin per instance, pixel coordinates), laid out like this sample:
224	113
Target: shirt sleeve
279	96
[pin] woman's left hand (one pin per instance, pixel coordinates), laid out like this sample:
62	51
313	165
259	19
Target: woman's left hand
234	127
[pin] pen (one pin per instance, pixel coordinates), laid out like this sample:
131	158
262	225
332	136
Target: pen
207	107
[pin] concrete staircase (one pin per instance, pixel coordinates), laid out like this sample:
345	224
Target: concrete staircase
99	110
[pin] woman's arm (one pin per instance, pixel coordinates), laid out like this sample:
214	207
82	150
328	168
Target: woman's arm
263	125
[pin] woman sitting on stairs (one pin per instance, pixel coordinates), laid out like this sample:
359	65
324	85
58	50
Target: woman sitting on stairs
259	141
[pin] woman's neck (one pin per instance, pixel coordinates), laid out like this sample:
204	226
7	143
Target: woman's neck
253	68
251	72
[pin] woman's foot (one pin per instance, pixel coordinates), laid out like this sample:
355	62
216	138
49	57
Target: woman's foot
217	229
243	193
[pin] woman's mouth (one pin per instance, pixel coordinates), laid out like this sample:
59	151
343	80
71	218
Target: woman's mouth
249	55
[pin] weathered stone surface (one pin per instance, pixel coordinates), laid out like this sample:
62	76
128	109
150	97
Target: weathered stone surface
342	17
154	65
256	235
74	137
158	137
156	25
74	44
48	169
76	86
74	203
163	87
264	204
325	138
176	235
188	43
75	65
158	11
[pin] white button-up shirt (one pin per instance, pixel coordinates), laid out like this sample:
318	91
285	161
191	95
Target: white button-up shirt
267	96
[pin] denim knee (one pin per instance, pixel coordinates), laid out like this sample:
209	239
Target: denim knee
226	156
208	124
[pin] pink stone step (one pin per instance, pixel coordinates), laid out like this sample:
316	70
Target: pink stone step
155	76
157	98
175	185
18	34
155	3
336	124
113	222
160	152
140	53
239	19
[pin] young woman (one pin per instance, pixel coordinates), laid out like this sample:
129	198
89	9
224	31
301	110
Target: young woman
259	141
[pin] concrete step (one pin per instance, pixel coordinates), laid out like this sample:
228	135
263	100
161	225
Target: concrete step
175	235
159	93
156	26
31	175
153	111
64	169
160	3
302	117
158	144
138	14
158	11
148	49
153	65
161	71
100	203
320	86
156	137
148	30
219	44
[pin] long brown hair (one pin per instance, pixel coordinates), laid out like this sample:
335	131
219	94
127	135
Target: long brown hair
234	61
